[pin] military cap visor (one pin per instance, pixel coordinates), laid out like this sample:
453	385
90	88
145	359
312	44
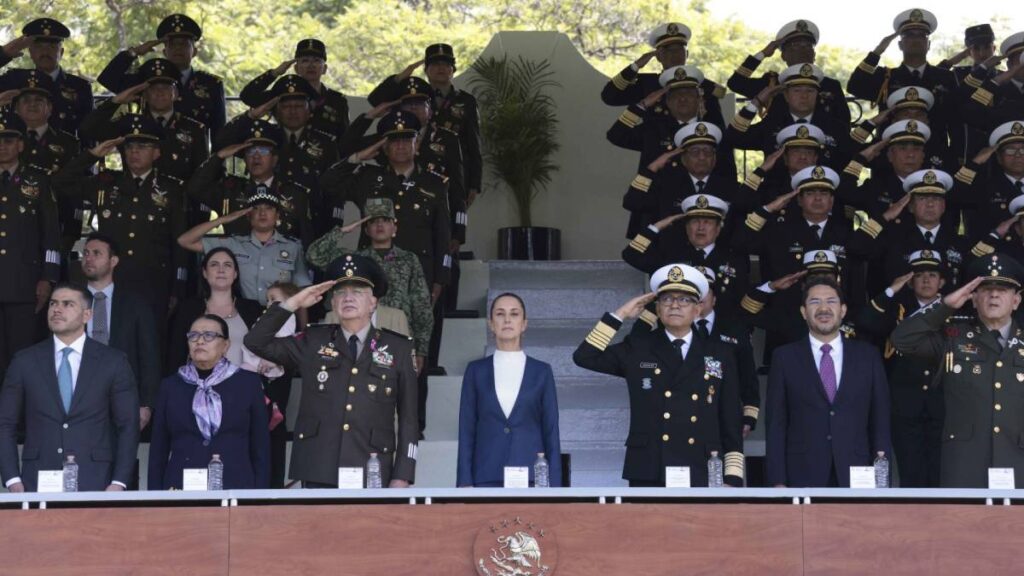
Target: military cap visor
439	53
359	270
998	269
266	197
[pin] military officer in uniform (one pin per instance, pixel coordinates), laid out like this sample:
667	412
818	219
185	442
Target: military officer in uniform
329	106
141	208
356	380
698	245
226	193
47	147
989	191
420	197
917	406
981	367
683	389
200	94
669	45
44	38
184	143
796	41
29	240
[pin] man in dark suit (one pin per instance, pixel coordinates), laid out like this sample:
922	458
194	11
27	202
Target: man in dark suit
120	319
78	397
828	399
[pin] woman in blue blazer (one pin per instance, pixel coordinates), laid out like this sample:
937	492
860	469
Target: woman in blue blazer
509	408
210	406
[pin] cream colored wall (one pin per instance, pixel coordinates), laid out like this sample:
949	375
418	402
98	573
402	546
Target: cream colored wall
584	199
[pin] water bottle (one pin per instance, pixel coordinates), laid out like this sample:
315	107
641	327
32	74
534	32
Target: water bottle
541	479
373	479
881	471
715	470
215	474
70	474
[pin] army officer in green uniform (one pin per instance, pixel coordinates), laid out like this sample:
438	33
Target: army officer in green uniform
981	372
684	396
355	379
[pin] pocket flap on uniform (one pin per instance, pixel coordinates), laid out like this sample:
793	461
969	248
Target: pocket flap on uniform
636	441
306	429
382	441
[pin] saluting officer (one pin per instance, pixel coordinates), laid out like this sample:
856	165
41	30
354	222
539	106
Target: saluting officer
29	240
46	147
981	371
329	106
44	38
200	95
917	407
184	142
226	193
141	208
356	379
683	389
420	197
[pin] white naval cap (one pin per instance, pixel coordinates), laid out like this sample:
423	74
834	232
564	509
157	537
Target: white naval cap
807	135
907	131
1006	133
698	133
1013	44
915	19
815	177
797	29
821	260
928	181
924	259
704	205
680	278
669	33
805	74
681	77
911	97
1017	205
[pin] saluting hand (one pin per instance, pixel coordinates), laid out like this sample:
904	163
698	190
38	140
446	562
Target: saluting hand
8	96
349	228
771	159
381	109
232	216
960	296
984	154
901	281
769	48
645	58
308	296
409	70
872	152
662	160
884	44
231	150
283	67
1005	225
263	109
787	281
371	152
635	306
653	97
896	208
146	47
765	96
15	47
106	147
668	221
780	202
130	94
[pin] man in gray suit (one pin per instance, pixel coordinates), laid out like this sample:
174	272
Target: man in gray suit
78	398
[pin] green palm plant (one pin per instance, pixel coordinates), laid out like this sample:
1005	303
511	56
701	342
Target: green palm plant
518	125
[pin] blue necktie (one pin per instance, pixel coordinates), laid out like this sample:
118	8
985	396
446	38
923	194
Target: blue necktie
64	379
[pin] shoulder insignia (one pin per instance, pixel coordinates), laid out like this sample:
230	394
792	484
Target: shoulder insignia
213	77
396	334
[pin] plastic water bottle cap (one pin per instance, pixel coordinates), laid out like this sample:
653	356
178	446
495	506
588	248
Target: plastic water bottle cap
373	454
71	458
714	452
540	454
881	454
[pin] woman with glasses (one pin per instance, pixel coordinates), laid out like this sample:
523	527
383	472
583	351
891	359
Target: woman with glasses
509	407
210	406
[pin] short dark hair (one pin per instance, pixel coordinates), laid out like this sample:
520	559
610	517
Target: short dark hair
83	292
204	285
289	288
820	280
112	246
220	321
509	295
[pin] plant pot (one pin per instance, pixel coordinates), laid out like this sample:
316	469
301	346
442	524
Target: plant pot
529	243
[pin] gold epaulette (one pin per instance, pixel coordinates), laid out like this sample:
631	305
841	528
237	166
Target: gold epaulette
983	97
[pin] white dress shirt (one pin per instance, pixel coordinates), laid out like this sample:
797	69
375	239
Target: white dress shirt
711	321
74	359
836	353
934	231
508	377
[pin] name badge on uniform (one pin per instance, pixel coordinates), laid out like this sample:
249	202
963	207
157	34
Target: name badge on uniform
967	348
645	384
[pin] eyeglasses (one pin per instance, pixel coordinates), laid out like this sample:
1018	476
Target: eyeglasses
205	336
700	151
258	151
1013	152
683	301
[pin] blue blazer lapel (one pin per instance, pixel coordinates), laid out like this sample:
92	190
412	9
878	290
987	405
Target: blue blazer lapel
845	380
807	357
490	387
47	359
529	377
86	372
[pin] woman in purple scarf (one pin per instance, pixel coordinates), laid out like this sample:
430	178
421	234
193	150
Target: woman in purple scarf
210	406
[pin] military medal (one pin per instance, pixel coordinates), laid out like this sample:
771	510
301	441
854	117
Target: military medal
977	369
646	384
321	377
1020	377
372	388
957	369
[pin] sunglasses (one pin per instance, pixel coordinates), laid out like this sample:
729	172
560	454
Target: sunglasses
204	336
